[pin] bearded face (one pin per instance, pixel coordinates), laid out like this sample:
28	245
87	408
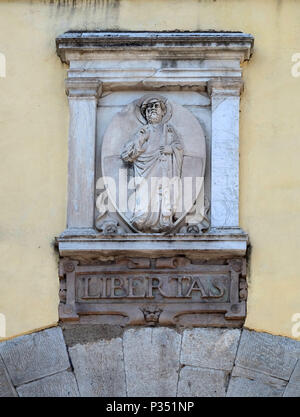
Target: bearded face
154	112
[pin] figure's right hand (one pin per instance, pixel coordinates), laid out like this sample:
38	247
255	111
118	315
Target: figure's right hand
143	136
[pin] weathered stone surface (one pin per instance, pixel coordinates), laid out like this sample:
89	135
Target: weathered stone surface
99	368
293	387
292	390
273	355
81	146
249	383
225	153
256	375
295	377
151	361
154	45
62	384
152	297
35	355
6	387
245	387
147	362
90	333
210	348
200	382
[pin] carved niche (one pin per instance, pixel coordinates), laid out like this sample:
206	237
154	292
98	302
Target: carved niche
158	149
153	233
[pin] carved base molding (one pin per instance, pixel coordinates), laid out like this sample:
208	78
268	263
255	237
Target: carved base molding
163	291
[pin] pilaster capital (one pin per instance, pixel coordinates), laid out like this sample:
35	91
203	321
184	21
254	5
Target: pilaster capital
225	87
83	88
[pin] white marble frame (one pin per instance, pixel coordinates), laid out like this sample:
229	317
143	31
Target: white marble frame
104	61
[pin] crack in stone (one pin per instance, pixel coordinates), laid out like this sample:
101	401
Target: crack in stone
179	363
233	364
125	374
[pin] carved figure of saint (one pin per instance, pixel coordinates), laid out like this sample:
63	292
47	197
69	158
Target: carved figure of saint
156	154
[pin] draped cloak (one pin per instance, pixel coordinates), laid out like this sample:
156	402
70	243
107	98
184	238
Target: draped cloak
156	181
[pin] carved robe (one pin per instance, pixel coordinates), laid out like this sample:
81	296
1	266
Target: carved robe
156	198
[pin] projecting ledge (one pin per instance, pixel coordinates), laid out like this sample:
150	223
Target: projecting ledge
76	45
202	246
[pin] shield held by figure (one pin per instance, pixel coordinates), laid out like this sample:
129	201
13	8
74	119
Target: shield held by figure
153	163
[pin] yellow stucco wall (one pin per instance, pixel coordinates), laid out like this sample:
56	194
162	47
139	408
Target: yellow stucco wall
33	132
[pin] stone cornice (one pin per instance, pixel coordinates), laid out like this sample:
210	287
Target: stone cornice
190	45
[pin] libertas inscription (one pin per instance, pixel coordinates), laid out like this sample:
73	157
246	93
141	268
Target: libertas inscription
161	291
180	286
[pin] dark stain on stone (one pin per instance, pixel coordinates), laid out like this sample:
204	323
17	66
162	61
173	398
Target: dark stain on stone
83	334
169	63
86	3
248	261
90	333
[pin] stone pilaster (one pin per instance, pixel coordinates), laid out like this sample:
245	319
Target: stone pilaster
225	99
83	94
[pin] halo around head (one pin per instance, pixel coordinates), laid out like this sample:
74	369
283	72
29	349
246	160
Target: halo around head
141	102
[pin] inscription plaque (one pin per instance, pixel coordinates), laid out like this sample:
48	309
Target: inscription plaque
156	291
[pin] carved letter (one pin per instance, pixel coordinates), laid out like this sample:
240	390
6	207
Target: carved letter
152	286
198	288
113	287
131	288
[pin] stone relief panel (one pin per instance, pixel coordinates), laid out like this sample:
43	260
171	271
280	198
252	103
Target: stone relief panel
152	234
162	291
151	160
